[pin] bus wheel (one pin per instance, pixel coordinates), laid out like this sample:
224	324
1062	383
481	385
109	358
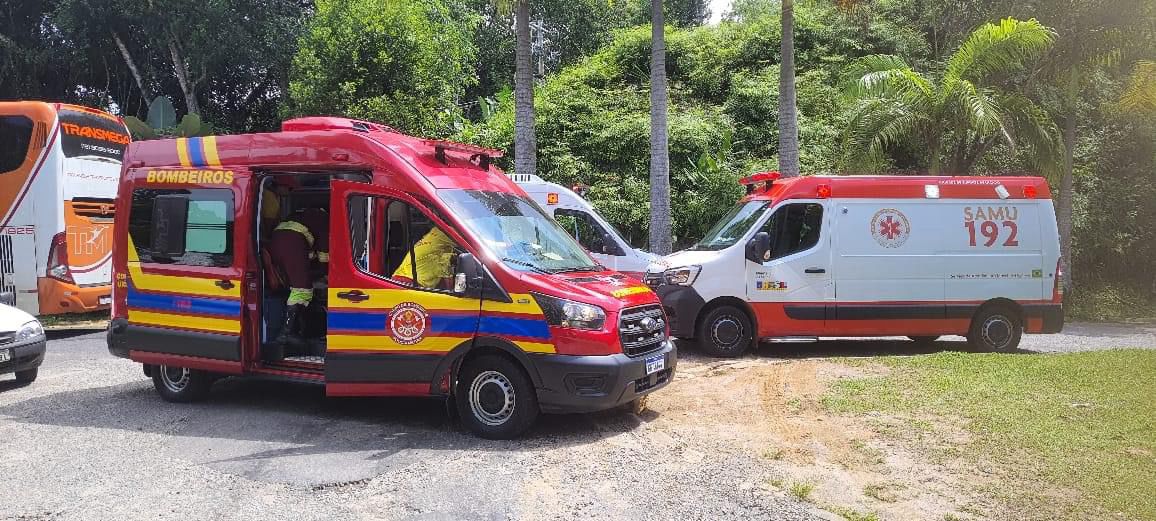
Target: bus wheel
495	398
995	328
924	340
178	384
725	331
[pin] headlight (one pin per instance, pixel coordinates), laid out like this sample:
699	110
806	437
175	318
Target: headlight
567	313
683	276
29	332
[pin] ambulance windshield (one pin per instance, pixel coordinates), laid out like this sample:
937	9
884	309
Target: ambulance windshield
516	230
732	226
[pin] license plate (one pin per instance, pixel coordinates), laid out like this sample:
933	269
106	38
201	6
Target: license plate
5	355
104	300
655	364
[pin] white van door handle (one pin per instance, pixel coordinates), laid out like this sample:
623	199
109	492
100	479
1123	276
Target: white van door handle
815	270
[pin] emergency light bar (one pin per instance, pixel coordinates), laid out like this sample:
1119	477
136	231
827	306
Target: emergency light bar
762	177
484	155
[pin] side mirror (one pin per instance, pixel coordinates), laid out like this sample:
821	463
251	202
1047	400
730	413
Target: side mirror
611	246
472	280
759	248
169	220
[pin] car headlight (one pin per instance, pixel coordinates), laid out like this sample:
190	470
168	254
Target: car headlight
683	276
567	313
30	332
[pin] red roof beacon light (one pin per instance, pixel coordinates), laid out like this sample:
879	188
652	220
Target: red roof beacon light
823	191
1030	191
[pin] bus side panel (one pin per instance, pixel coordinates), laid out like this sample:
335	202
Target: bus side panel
22	256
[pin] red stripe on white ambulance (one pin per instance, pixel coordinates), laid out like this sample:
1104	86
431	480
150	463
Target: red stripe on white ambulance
916	256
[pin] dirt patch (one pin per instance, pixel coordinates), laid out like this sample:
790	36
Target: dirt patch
848	465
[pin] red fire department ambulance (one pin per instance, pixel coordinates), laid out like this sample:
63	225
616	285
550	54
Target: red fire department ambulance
442	279
806	257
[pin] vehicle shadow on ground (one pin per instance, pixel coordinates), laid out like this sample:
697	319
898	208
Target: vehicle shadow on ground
300	421
845	348
64	334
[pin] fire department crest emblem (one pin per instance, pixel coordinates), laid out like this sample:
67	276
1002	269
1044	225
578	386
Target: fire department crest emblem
890	228
408	323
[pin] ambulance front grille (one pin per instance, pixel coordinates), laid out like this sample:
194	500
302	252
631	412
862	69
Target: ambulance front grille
7	271
642	329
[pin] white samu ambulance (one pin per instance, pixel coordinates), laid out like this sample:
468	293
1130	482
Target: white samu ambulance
921	257
579	217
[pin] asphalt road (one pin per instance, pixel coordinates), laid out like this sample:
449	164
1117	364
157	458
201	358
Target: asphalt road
91	440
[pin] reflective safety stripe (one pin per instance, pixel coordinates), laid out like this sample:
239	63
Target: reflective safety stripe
323	256
296	227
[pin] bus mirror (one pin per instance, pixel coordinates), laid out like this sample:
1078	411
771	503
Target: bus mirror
759	248
169	219
611	246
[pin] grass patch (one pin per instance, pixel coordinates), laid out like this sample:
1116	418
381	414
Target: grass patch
853	515
801	489
1083	421
68	319
882	491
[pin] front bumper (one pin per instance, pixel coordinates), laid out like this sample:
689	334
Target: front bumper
682	305
58	297
24	357
573	384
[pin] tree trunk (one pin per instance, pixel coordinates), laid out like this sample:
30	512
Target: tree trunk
188	88
660	218
131	64
788	116
1064	205
525	141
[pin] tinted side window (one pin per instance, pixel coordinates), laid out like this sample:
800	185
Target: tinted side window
394	240
208	237
15	138
794	228
583	227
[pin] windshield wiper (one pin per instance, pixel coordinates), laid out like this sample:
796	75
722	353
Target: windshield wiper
577	268
530	265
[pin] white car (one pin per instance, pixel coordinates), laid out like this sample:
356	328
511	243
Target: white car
594	233
22	344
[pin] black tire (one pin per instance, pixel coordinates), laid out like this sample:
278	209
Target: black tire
28	376
495	398
924	340
725	331
178	384
995	328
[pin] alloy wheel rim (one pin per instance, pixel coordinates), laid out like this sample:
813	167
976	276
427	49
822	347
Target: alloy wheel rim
726	326
997	331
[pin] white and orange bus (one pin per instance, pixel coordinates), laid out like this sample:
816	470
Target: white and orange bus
59	166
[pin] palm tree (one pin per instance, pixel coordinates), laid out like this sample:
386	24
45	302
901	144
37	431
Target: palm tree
788	112
660	218
1140	93
525	140
958	119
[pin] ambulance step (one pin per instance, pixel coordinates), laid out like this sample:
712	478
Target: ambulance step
791	339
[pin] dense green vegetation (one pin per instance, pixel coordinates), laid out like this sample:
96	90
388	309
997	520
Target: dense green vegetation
445	68
1080	421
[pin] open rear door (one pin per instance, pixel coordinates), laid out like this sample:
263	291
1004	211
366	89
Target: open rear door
393	313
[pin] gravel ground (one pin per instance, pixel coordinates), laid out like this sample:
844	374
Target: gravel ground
91	440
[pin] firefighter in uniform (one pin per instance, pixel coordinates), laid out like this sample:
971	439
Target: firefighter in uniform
297	243
434	254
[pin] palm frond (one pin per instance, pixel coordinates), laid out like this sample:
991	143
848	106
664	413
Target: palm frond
878	124
884	75
1140	93
1033	127
996	48
977	106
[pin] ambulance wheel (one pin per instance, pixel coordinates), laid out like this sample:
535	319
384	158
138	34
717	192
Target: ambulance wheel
924	340
995	328
179	384
495	398
26	377
725	331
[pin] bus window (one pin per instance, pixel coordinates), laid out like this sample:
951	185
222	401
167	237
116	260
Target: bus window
92	135
15	138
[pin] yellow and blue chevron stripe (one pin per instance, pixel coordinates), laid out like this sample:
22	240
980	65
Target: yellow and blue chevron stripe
198	151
